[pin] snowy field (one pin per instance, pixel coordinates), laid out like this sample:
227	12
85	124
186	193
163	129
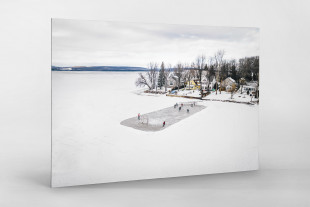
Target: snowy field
89	145
227	96
187	92
223	96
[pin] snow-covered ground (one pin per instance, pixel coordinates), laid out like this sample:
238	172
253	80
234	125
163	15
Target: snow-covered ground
223	96
227	96
90	145
186	92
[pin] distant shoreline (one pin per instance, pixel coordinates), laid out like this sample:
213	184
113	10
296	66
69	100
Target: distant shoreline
100	68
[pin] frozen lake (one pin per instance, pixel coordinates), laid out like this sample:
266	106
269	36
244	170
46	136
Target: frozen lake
91	146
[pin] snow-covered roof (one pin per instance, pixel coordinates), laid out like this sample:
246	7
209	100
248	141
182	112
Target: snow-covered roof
232	80
172	76
247	86
252	83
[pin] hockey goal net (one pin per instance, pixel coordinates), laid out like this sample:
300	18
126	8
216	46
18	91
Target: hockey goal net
144	119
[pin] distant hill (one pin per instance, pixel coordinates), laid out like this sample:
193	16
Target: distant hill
98	68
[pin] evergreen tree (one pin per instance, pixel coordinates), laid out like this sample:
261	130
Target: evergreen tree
234	72
211	72
161	77
249	68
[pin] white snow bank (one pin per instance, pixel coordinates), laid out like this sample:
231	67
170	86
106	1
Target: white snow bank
238	97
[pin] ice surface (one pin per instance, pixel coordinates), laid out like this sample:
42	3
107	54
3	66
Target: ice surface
89	145
155	119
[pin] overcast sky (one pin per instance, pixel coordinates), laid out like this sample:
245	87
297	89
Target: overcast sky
101	43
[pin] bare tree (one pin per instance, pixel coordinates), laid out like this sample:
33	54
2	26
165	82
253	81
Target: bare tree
179	74
167	72
210	69
200	65
242	83
152	74
143	81
257	87
188	74
150	78
218	57
233	88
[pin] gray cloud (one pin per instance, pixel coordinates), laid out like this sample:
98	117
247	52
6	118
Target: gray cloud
90	43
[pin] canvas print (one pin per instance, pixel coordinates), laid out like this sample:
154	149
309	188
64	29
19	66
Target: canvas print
135	101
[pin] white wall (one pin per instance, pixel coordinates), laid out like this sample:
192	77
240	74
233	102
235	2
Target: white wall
25	81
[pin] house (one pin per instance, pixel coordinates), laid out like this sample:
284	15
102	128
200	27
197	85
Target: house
204	83
212	84
252	83
228	84
251	86
251	89
173	81
192	85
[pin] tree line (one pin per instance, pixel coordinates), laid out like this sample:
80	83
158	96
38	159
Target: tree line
214	67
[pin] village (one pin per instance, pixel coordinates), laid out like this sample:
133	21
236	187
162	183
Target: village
229	90
217	80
